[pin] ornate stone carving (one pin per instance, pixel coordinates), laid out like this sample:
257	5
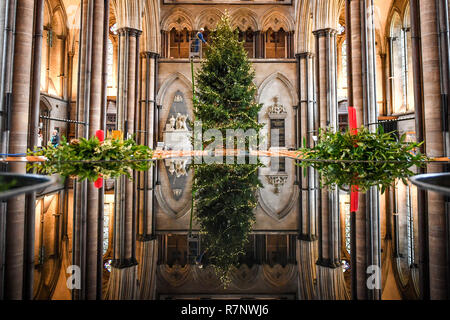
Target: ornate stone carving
277	110
278	181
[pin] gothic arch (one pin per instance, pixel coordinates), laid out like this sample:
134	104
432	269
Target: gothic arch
169	81
151	27
128	13
303	28
326	13
284	80
178	19
208	18
276	20
169	204
244	18
278	85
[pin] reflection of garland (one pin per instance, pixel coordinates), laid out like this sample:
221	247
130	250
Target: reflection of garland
365	159
91	159
225	200
6	185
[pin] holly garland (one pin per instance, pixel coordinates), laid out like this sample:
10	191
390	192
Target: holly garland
363	158
92	159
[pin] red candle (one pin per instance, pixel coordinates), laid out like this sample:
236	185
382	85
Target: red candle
354	194
100	135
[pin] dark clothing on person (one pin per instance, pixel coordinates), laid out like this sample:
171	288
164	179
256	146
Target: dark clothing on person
55	140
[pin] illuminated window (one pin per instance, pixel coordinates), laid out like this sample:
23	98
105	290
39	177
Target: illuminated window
401	64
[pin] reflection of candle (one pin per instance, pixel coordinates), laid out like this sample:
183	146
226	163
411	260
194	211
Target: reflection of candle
99	182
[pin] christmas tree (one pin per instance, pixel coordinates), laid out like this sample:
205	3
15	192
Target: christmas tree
225	96
225	194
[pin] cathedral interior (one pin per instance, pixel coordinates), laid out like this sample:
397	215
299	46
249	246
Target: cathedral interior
77	66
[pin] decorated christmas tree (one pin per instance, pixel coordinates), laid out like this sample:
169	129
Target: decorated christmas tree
225	95
225	194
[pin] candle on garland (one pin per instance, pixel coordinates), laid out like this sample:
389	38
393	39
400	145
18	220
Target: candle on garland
354	194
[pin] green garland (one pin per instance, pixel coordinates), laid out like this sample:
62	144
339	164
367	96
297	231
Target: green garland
91	159
365	159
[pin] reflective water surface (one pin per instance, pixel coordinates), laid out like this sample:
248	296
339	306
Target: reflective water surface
261	230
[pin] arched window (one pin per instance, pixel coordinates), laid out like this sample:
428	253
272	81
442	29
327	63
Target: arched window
179	43
110	62
275	44
247	38
402	94
44	123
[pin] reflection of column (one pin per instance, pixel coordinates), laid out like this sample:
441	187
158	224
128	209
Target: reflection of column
432	75
330	277
32	142
365	223
88	210
15	217
147	243
307	237
122	284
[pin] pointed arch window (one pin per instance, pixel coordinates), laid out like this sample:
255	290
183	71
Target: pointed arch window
401	82
179	43
275	44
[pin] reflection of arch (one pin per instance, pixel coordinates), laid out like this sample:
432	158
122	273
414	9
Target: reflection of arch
285	211
276	20
244	18
178	19
208	19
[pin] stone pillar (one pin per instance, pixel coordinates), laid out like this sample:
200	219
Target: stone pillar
122	283
433	94
307	238
330	279
21	82
147	243
365	250
88	211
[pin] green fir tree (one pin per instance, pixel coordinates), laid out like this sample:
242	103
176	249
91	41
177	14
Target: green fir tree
225	194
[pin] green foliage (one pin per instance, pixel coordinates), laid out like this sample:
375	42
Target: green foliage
6	185
89	158
225	97
225	195
365	159
226	198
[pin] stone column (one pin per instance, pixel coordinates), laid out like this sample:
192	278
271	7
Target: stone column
147	243
365	250
434	86
307	238
88	210
330	279
21	82
122	284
